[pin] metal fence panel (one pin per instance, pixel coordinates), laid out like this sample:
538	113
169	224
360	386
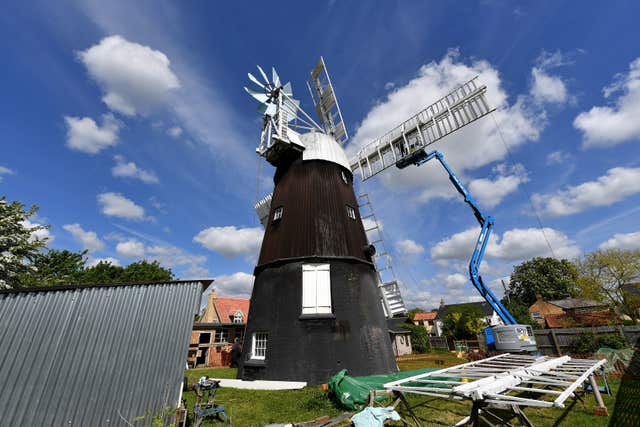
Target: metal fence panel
93	355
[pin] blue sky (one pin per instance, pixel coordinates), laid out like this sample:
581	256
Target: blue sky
127	124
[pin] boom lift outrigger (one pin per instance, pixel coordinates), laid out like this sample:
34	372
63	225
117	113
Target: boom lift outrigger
511	337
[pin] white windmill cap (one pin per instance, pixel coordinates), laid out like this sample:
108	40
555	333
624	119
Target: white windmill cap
320	146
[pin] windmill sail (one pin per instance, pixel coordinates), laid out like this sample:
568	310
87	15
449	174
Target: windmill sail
401	145
326	104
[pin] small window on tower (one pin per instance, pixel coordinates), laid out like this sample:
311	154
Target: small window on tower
351	213
277	214
259	345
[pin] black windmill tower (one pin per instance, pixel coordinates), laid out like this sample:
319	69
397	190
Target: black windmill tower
315	305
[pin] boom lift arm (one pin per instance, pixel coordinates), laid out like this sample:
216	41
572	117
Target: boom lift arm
486	223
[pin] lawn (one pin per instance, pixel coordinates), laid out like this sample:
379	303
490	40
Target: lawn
256	407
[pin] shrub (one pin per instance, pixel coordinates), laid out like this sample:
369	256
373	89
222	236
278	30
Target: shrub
419	338
588	342
615	341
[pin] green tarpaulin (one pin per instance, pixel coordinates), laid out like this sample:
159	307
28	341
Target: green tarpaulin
353	392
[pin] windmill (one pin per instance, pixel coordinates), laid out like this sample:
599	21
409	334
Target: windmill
315	304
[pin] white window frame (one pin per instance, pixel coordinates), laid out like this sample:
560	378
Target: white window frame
238	317
259	338
316	289
277	213
222	335
351	212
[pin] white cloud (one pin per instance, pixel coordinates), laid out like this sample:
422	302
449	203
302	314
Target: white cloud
490	193
546	87
5	171
629	241
135	79
175	132
173	256
88	239
514	244
419	298
612	125
409	248
455	280
126	169
130	249
115	204
41	234
231	241
84	134
557	157
92	262
473	146
617	184
234	285
527	243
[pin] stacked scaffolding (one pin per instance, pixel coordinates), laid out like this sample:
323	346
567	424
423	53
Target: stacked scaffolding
390	295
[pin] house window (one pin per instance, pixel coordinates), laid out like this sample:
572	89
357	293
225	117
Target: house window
536	315
204	338
316	289
351	213
277	214
222	337
259	345
237	318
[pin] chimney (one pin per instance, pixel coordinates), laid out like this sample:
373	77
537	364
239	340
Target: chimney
538	297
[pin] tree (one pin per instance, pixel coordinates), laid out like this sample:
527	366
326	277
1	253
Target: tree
551	278
602	274
463	322
144	271
19	242
520	312
53	268
140	271
419	338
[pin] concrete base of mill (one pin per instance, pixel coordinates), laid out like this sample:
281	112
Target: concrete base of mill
313	348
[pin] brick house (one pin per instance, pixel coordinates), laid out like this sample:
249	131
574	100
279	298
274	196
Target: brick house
427	320
223	320
569	312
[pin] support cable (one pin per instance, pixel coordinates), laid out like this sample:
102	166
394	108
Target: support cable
524	188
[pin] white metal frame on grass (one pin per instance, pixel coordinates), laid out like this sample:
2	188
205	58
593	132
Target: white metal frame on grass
500	381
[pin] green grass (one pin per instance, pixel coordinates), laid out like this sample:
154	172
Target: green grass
259	407
249	408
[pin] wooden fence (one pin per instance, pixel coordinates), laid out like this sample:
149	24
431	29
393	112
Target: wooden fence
558	341
549	341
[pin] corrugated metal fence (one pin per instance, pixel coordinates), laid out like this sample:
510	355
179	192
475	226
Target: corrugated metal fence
89	356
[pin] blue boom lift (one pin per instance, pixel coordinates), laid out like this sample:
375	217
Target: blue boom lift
510	337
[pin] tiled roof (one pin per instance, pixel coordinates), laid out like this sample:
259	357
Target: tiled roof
425	316
227	308
597	318
569	303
